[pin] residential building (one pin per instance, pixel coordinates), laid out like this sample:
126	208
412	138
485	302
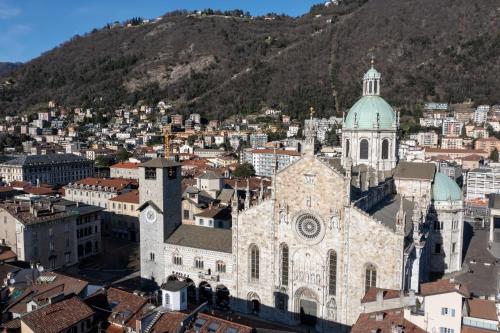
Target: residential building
53	232
97	191
479	132
481	114
258	140
487	144
452	142
124	216
451	126
426	139
482	181
265	161
129	170
68	315
436	110
177	120
53	169
453	154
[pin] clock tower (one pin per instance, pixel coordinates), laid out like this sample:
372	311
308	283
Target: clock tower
160	195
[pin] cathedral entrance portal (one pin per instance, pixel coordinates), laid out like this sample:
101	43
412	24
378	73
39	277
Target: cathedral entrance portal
308	312
306	306
191	291
222	297
205	291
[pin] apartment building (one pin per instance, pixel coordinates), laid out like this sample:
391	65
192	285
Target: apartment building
482	181
265	161
451	126
53	232
426	139
124	216
54	169
487	144
129	170
258	140
452	142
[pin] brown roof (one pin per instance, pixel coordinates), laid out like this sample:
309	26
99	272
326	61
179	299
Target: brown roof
384	322
49	284
443	287
168	322
458	151
118	183
125	165
219	325
482	308
277	151
212	239
413	170
159	163
371	294
216	213
128	197
469	329
472	158
59	316
40	190
6	254
491	138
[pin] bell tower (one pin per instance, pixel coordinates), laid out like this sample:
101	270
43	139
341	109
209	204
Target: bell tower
160	195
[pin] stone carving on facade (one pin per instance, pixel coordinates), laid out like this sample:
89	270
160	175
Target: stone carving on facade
308	201
331	309
334	219
283	214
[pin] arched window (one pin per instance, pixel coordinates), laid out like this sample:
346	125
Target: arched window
198	263
167	299
254	262
221	267
332	272
151	256
370	277
347	148
363	149
177	260
385	149
284	265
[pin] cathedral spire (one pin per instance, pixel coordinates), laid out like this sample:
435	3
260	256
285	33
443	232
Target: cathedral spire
310	133
247	195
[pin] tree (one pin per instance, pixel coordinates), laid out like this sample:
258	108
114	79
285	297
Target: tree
103	161
122	155
191	139
244	170
494	155
332	139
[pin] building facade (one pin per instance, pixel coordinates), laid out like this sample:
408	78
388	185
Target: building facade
54	169
264	160
330	230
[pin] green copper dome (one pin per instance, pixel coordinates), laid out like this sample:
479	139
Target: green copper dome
372	74
365	111
444	188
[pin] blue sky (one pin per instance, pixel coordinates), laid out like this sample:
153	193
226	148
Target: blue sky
30	27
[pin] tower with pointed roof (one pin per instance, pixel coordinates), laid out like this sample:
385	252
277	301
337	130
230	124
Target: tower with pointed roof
369	133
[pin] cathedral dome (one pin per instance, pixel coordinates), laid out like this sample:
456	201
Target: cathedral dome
444	188
363	114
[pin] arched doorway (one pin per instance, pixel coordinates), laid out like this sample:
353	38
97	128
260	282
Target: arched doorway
306	306
205	291
253	303
222	297
191	291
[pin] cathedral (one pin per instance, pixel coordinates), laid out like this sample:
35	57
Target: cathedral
330	228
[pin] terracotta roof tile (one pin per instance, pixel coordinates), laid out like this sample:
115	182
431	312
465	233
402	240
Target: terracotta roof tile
168	322
384	322
128	197
59	316
277	151
125	165
482	308
443	287
118	183
371	294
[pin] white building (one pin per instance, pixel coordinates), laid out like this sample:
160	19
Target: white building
482	181
451	126
265	160
481	114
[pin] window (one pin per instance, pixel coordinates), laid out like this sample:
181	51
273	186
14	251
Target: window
446	330
437	248
370	277
453	247
177	260
167	299
363	149
385	149
347	148
151	256
284	264
438	225
172	172
198	263
202	222
221	267
254	262
186	214
332	273
150	173
51	246
448	312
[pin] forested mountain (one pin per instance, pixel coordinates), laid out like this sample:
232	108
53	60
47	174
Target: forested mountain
6	67
217	65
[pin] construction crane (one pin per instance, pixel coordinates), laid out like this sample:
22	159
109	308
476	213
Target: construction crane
167	136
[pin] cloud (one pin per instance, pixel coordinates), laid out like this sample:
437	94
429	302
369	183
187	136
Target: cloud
7	11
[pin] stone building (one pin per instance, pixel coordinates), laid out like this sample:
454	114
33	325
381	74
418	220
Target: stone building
54	169
52	232
329	231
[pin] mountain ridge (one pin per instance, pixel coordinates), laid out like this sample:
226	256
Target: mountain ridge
218	66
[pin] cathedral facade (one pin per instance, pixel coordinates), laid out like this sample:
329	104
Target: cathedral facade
330	229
